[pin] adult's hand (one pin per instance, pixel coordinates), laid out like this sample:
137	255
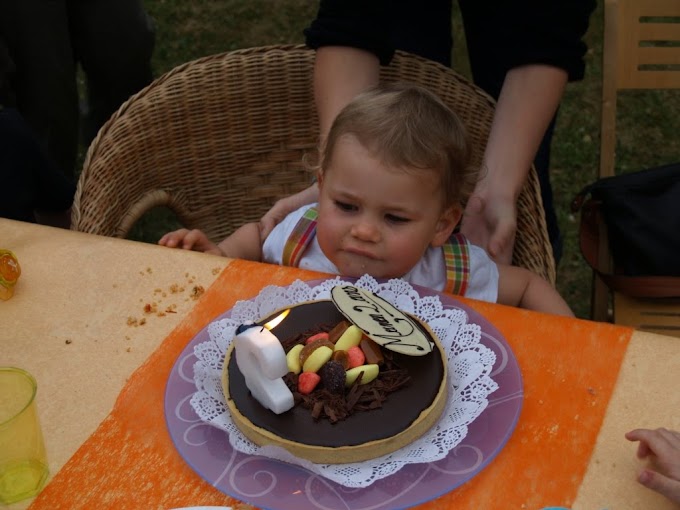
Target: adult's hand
527	103
491	222
284	206
662	447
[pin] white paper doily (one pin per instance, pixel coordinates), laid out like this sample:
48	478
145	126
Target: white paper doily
469	364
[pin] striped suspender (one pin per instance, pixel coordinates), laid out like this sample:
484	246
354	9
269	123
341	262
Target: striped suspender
457	261
299	239
456	252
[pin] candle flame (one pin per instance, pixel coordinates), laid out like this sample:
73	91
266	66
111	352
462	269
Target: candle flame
277	320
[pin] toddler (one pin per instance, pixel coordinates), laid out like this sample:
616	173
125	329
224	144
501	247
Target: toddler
393	176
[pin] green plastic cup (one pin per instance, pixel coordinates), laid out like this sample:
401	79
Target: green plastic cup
23	463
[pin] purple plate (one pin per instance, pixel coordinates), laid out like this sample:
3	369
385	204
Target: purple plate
275	485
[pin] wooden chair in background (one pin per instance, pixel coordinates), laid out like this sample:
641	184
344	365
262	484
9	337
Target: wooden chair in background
641	51
218	140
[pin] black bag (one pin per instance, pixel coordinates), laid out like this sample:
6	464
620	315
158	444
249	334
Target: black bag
641	214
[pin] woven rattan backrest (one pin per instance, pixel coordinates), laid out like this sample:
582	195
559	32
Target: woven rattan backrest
218	140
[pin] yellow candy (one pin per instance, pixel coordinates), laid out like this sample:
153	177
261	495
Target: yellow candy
293	359
370	373
350	338
9	273
317	359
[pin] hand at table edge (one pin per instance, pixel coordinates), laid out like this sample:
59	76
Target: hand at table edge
662	447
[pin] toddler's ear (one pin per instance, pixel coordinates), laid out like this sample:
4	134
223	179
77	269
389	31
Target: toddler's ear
446	224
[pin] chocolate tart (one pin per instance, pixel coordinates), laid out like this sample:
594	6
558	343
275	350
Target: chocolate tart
406	414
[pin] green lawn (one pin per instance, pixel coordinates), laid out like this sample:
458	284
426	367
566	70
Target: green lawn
648	121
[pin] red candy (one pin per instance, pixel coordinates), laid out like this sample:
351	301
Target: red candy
307	381
318	336
356	357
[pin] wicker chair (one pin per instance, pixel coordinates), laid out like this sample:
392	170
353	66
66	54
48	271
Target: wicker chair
218	140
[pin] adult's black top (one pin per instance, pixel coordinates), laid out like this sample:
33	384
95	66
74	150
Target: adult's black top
505	33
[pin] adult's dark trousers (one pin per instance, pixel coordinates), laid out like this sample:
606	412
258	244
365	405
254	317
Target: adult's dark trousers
111	40
30	180
424	28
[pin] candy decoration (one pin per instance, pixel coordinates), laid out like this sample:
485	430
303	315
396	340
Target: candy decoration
317	358
333	377
350	338
372	351
293	359
342	358
337	331
370	372
318	336
262	361
307	381
308	349
356	356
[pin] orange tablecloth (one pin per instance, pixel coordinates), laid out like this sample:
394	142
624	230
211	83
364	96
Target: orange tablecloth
130	461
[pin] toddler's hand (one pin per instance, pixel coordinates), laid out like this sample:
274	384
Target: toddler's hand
189	240
662	446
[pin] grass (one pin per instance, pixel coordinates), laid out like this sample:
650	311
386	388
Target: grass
648	122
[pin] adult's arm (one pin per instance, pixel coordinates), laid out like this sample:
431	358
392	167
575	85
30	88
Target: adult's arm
340	73
351	39
527	103
503	35
522	53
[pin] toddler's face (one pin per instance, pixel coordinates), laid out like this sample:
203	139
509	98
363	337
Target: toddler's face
377	219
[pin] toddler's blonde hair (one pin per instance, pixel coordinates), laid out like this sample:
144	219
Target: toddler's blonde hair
407	126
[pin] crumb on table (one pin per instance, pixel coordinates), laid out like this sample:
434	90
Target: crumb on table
158	308
197	291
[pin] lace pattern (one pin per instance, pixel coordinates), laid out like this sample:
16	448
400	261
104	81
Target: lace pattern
469	364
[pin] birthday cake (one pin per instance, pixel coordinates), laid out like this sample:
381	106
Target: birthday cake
386	400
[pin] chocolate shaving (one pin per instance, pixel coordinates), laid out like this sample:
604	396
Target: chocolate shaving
317	408
330	412
355	393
